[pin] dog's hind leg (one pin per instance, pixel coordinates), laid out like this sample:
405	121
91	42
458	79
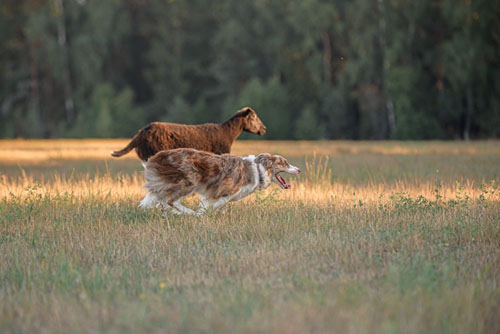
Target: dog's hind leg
181	208
175	202
165	207
149	201
174	207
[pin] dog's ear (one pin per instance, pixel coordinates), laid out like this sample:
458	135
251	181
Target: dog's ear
265	159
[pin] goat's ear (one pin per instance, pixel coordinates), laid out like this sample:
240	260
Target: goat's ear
245	111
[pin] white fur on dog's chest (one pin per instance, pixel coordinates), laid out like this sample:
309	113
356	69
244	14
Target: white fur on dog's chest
251	187
264	180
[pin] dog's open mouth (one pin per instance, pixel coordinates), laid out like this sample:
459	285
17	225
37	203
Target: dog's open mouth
282	181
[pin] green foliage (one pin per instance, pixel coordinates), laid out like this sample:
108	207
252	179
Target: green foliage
109	114
270	99
313	69
412	121
306	125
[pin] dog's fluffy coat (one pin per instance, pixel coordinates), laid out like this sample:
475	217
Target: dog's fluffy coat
174	174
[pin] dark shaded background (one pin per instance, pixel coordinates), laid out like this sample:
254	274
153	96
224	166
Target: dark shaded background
361	69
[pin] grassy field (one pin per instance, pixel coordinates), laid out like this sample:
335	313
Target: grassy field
385	237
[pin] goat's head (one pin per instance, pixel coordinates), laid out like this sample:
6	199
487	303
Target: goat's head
251	122
274	165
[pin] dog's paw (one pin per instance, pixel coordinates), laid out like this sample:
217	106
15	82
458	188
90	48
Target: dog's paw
176	212
199	213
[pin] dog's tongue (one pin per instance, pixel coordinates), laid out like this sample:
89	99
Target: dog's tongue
283	181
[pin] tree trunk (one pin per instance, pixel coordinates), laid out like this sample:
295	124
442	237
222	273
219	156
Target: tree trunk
387	126
468	113
69	105
327	56
35	97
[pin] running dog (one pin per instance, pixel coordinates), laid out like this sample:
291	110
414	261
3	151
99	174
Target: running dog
174	174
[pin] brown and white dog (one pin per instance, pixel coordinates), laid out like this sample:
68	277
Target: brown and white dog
174	174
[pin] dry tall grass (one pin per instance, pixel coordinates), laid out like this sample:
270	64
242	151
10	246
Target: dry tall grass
36	151
383	237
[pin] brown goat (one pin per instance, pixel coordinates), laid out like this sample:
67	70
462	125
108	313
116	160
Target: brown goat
216	138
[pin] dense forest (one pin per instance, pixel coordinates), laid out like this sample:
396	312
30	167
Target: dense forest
312	69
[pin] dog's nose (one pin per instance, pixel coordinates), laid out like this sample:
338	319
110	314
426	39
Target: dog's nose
298	171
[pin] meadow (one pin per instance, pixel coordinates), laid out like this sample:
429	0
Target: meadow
373	237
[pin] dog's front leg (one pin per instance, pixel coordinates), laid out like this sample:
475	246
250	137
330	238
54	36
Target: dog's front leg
220	202
177	205
203	207
206	204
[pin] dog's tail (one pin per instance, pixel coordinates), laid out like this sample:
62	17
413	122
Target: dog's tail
133	143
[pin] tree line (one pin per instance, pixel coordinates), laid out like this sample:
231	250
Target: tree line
312	69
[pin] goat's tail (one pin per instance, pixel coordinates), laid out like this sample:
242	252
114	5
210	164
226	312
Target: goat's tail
133	143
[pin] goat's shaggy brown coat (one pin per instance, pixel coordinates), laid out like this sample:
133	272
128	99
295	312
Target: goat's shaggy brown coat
216	138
